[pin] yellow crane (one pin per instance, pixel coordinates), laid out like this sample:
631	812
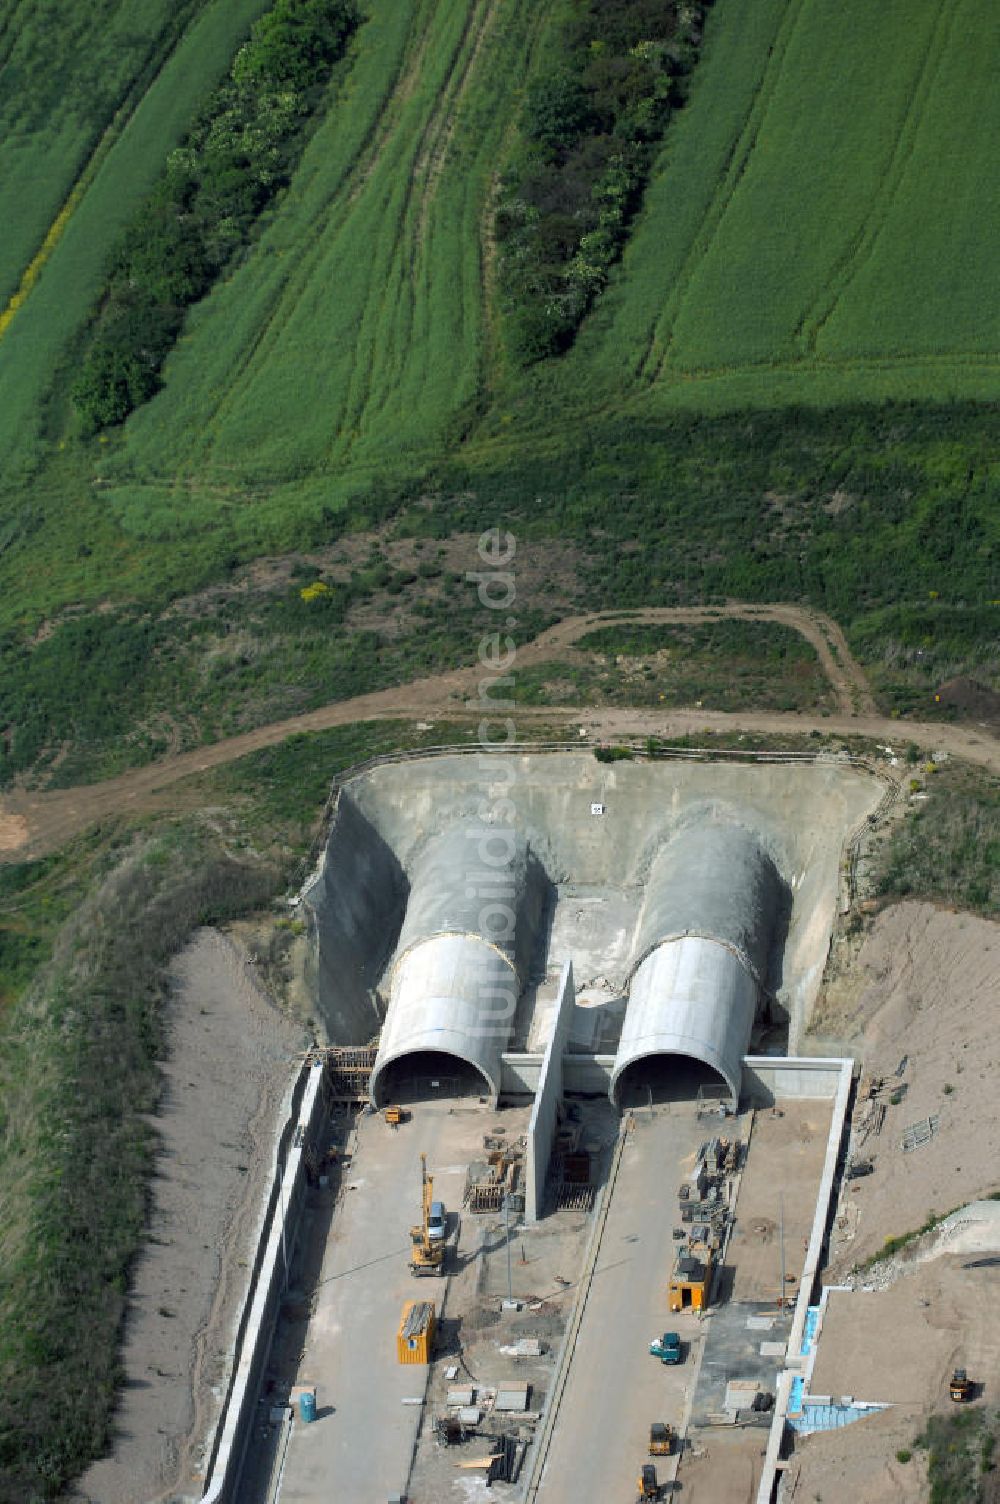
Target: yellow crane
426	1254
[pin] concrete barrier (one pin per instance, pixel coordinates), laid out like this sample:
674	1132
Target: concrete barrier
795	1361
586	1075
772	1078
265	1287
542	1123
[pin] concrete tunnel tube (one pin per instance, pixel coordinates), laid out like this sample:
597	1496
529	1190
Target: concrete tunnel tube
703	947
476	900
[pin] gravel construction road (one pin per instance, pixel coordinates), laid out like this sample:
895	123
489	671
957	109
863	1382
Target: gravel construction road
35	822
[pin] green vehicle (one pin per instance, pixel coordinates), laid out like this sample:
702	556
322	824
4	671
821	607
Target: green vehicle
667	1348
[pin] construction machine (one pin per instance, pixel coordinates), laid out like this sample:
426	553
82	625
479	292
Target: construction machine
661	1439
648	1484
961	1387
426	1253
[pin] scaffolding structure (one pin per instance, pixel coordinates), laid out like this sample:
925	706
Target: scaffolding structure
349	1071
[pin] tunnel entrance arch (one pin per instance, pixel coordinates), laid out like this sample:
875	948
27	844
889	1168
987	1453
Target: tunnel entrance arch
428	1076
667	1076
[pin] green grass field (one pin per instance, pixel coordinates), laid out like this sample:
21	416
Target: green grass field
824	216
39	337
355	334
66	71
774	262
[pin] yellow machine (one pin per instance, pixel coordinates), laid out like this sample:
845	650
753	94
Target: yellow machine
661	1439
961	1387
426	1254
648	1484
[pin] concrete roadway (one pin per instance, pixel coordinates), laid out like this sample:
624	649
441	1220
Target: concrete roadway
615	1389
359	1449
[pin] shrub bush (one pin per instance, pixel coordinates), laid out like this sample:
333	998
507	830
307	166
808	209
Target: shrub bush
588	129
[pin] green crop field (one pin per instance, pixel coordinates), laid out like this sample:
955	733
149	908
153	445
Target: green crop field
37	339
66	71
824	216
819	228
356	331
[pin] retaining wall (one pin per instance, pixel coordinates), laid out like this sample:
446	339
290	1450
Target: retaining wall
588	1075
795	1360
770	1078
766	1078
265	1289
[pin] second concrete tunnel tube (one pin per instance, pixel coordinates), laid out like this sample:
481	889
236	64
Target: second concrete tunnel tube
702	953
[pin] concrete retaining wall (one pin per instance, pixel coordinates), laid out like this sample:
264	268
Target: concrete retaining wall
264	1291
519	1073
354	903
795	1361
766	1078
772	1078
542	1123
587	1075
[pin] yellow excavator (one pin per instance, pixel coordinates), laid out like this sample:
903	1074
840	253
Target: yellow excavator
426	1253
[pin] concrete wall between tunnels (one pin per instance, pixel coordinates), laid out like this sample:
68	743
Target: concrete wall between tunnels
703	951
548	1096
477	896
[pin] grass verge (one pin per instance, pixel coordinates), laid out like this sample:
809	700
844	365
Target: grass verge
78	1081
947	847
960	1456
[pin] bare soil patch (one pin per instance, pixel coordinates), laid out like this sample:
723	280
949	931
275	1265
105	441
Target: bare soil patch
773	1208
13	832
924	986
860	1464
224	1080
898	1346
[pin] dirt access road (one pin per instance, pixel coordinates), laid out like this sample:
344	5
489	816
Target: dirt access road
35	822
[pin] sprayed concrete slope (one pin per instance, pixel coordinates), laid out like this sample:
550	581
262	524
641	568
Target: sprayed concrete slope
792	823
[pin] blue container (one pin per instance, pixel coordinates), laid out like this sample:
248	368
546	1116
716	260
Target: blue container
307	1407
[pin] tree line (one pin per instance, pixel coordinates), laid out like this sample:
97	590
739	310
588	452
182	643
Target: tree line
589	130
205	207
